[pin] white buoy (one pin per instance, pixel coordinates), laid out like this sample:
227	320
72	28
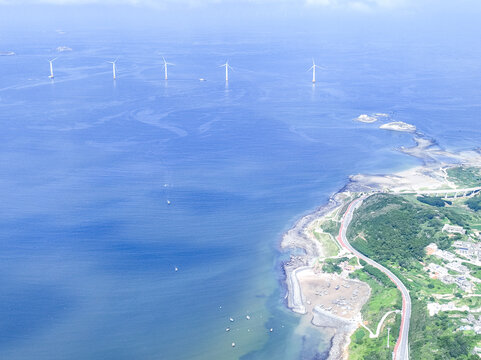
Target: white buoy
176	269
271	330
168	202
233	344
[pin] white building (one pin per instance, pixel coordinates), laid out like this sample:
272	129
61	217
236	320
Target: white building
454	229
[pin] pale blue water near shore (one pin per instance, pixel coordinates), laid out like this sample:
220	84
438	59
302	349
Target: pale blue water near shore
88	242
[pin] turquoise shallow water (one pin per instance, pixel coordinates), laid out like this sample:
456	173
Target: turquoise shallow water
88	241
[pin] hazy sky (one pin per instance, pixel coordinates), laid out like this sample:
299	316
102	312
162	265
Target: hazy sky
357	5
331	3
423	17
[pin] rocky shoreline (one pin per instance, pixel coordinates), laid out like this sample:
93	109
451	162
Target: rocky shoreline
432	174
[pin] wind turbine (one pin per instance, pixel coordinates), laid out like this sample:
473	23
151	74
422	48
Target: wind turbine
51	67
165	67
313	68
113	67
227	67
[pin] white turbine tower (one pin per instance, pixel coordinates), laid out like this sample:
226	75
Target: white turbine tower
113	67
313	68
227	67
51	67
165	67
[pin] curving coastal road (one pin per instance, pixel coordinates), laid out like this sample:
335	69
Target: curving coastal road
401	350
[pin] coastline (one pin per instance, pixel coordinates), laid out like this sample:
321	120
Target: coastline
297	238
430	174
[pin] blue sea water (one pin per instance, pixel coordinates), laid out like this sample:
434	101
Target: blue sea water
88	241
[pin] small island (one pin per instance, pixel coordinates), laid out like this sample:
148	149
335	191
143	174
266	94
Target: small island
371	118
367	118
398	126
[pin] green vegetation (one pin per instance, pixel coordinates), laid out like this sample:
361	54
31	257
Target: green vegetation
394	230
474	203
434	201
383	298
331	227
362	347
379	276
332	265
328	245
465	176
475	270
390	228
474	302
353	261
435	337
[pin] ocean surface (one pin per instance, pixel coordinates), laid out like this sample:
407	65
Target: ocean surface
88	166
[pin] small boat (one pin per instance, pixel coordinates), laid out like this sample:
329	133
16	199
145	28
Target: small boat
168	202
248	317
7	53
227	329
233	344
231	319
271	330
176	269
202	79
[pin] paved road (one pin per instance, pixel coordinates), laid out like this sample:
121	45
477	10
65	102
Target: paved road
401	350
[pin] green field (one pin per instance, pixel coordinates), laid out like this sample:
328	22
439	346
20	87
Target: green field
465	176
328	245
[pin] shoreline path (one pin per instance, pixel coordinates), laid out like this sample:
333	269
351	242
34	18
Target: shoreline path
401	349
